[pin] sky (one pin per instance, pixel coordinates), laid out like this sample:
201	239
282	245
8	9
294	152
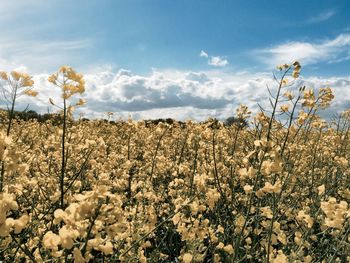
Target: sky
184	59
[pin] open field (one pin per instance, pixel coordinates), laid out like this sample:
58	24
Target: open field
276	190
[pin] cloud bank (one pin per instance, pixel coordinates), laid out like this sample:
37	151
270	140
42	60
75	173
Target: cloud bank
177	94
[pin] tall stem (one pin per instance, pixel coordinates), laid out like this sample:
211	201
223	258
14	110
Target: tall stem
10	116
11	112
275	104
63	166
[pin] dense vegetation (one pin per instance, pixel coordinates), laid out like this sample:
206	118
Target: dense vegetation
276	190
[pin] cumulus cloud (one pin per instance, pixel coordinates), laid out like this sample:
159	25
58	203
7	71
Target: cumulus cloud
216	61
176	94
331	51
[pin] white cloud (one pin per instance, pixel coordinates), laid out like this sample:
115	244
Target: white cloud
176	94
331	51
216	61
203	54
324	16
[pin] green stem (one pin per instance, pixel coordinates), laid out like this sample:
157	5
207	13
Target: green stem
63	153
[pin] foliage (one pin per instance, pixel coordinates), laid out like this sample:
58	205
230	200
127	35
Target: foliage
274	191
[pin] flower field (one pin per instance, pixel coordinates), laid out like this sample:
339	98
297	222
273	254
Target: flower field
276	190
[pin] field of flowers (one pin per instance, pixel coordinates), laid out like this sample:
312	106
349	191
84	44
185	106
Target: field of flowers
94	191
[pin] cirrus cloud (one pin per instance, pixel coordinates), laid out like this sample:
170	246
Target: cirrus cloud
330	50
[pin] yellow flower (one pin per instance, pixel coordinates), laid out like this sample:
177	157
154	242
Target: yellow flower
20	224
80	102
336	213
107	248
228	249
51	241
16	75
321	189
3	75
269	188
280	258
31	93
52	78
67	237
295	74
247	188
27	81
266	211
187	258
220	245
303	216
64	69
289	95
284	108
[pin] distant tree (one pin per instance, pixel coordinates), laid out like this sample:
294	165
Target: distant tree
27	115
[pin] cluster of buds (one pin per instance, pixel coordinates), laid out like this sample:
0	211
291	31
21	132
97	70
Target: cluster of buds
296	68
336	213
17	80
326	96
9	224
70	81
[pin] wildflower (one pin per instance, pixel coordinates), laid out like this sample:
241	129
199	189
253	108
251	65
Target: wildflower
31	93
80	102
247	188
53	79
16	75
280	258
321	189
266	211
303	216
187	258
269	188
335	212
107	248
284	108
228	249
3	75
20	223
220	245
67	236
289	95
213	196
51	241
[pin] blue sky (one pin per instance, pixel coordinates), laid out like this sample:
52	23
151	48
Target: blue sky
239	41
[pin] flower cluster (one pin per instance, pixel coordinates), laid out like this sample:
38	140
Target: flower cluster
275	190
8	224
70	81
